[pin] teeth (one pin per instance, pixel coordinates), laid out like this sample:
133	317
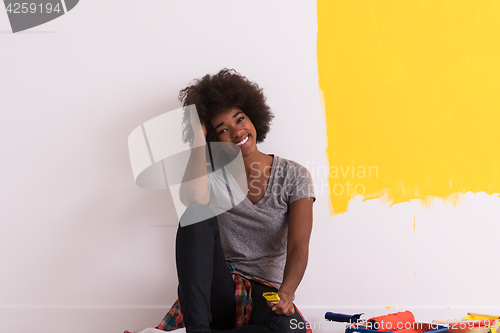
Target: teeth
243	141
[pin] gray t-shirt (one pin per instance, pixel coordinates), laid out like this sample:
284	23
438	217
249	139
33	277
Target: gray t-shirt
254	236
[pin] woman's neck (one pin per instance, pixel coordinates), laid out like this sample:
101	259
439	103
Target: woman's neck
253	160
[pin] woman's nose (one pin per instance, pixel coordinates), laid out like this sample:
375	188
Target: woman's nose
237	133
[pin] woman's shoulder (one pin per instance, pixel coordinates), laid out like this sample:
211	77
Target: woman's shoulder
289	168
294	179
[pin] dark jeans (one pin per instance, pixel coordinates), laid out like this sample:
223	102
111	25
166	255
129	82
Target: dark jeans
206	288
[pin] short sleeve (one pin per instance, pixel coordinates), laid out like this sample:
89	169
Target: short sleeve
303	186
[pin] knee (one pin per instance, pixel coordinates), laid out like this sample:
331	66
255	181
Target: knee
288	324
195	214
197	226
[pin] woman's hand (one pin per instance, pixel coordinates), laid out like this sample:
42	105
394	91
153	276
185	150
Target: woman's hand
194	121
284	306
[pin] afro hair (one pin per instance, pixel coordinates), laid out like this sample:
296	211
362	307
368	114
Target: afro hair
214	94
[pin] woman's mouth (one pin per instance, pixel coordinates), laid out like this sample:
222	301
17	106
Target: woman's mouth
243	142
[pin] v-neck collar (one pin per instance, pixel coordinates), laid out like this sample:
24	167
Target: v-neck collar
269	185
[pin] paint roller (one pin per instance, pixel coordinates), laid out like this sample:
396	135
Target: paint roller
393	322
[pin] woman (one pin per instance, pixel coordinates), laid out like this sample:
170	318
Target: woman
265	237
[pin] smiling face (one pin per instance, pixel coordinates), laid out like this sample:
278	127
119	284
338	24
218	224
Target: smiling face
234	126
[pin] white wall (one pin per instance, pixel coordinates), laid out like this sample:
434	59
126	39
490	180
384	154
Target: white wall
82	247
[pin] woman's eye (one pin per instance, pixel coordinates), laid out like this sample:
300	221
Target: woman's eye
223	131
240	119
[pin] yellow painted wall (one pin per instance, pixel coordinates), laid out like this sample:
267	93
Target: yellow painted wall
411	92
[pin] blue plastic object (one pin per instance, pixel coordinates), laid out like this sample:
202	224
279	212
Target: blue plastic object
342	318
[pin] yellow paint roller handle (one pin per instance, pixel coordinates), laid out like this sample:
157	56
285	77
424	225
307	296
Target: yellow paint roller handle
271	297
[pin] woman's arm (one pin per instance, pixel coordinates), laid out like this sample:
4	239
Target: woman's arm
300	218
194	187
